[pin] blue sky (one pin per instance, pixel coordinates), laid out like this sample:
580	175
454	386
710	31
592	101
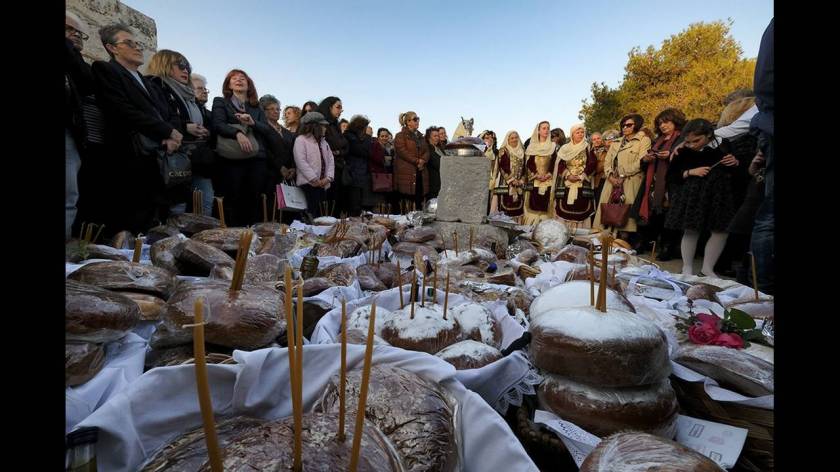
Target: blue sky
507	64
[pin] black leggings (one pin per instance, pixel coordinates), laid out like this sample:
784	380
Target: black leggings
240	182
314	197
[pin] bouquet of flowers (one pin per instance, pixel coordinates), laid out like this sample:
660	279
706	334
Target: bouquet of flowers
736	329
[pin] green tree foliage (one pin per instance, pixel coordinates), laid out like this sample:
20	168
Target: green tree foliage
692	71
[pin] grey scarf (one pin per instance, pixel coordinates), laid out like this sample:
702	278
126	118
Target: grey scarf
187	95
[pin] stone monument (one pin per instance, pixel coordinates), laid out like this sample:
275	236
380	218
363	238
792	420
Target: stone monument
97	13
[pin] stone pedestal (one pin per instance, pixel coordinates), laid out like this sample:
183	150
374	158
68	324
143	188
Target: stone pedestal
464	189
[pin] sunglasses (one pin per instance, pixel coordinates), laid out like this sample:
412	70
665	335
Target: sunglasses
416	118
184	65
73	31
130	43
629	125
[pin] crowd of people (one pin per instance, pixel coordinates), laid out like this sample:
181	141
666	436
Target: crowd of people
681	181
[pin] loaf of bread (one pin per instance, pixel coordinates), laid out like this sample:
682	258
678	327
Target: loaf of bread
97	315
642	452
469	354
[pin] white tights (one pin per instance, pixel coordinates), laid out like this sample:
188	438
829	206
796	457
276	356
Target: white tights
714	248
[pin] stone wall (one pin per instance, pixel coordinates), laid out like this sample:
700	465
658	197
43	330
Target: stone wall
98	13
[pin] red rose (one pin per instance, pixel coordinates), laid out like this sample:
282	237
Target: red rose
708	319
703	333
729	340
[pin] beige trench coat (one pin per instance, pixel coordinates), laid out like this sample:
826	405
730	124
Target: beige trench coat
629	155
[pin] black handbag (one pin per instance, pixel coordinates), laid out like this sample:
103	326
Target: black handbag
176	168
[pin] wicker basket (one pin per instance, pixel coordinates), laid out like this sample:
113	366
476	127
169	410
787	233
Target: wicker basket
757	455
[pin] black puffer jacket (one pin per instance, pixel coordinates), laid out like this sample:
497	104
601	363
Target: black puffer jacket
358	158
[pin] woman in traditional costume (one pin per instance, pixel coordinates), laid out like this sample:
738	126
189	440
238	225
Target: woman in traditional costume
576	165
509	177
539	162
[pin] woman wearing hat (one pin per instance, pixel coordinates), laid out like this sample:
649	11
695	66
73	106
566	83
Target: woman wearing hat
410	169
540	154
576	164
314	161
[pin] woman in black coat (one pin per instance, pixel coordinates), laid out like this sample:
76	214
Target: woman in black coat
240	181
359	190
332	108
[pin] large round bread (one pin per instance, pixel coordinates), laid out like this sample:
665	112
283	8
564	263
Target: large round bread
426	332
82	361
269	446
128	276
612	349
641	452
604	411
94	314
575	293
359	319
413	412
469	354
249	319
477	323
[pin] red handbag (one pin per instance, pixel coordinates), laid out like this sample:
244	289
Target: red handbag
615	213
382	182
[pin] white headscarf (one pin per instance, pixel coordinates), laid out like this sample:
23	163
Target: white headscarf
570	150
517	152
537	148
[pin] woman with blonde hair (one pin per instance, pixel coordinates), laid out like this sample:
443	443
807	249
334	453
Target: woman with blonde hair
509	177
576	164
412	155
171	72
540	155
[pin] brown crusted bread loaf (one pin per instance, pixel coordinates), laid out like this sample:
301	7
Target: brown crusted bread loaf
414	413
338	274
582	273
575	293
612	349
343	249
197	258
95	314
267	229
731	368
127	276
368	279
477	323
189	223
702	291
150	306
77	251
469	354
316	285
161	232
264	268
279	244
82	361
641	452
419	235
427	332
574	254
248	319
122	240
359	336
162	255
387	273
226	239
189	451
604	411
269	446
406	250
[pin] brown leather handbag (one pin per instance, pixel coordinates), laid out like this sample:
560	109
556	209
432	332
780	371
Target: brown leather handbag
382	182
615	212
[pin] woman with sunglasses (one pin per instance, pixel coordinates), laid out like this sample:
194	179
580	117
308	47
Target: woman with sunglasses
240	181
622	167
171	71
410	171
